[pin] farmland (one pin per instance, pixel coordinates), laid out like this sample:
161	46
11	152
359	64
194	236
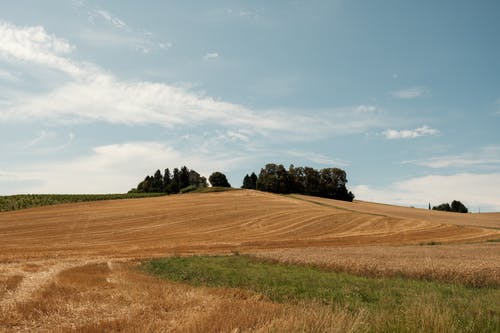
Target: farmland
23	201
75	267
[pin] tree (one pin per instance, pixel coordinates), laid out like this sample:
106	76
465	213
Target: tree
457	206
171	182
157	185
253	181
250	181
445	207
218	179
246	182
196	180
328	182
184	177
176	179
167	182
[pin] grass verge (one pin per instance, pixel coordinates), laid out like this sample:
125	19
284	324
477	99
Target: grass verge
392	304
214	189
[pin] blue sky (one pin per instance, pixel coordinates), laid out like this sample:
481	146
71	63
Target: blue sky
403	95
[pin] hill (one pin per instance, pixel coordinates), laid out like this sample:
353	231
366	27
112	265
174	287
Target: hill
223	222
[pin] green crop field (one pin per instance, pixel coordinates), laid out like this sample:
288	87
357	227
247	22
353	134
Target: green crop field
22	201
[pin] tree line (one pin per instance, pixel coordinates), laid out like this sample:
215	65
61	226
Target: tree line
456	206
178	181
170	182
275	178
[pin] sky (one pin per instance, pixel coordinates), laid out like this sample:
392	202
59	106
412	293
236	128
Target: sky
403	95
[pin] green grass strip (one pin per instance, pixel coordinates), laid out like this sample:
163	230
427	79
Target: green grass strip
23	201
394	304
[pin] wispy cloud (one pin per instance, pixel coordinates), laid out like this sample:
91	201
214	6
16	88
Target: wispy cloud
211	55
474	190
318	158
410	134
243	13
410	93
486	157
8	76
93	94
111	19
34	44
366	108
120	34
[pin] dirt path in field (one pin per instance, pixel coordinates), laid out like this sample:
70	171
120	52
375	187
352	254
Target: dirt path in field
35	276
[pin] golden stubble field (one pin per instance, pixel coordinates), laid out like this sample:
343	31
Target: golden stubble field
70	267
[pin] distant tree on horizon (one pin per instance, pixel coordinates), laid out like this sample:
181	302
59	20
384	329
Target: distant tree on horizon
170	183
218	179
456	206
327	182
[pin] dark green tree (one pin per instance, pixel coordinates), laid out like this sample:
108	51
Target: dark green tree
176	180
445	207
184	177
268	178
167	181
246	182
145	185
157	185
218	179
457	206
328	182
253	181
195	179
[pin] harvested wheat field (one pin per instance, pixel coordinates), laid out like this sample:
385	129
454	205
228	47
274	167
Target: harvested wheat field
72	267
207	223
472	264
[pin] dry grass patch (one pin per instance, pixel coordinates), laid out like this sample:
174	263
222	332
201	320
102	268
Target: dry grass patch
116	297
470	264
9	284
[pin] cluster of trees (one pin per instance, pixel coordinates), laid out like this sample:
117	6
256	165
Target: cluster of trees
170	182
250	182
327	182
456	206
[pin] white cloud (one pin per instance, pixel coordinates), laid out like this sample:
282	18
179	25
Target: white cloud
410	93
49	142
318	158
410	134
108	17
42	136
211	55
97	172
486	157
8	76
474	190
93	95
120	34
34	44
243	13
366	108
